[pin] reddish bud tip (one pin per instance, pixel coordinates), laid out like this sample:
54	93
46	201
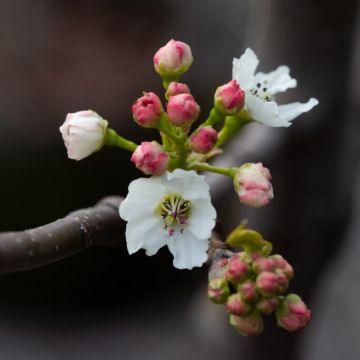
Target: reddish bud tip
237	269
147	110
218	290
229	98
182	110
203	140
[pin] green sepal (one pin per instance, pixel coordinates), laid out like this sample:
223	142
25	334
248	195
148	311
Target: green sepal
250	240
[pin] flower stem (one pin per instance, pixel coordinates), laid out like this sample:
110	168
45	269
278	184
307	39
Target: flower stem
206	167
214	117
114	139
232	125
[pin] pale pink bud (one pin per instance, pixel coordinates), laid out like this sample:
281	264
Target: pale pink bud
237	306
283	281
218	290
263	264
237	269
150	158
182	110
267	305
147	110
252	184
267	283
173	59
282	264
292	314
218	268
248	291
176	88
249	325
83	133
203	140
229	98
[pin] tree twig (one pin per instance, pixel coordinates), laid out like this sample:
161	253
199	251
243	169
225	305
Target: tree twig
99	225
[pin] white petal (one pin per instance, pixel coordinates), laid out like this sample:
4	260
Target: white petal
289	112
142	199
244	69
265	112
278	80
188	184
82	143
146	234
188	251
202	219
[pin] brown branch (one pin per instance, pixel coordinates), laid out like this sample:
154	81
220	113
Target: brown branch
100	225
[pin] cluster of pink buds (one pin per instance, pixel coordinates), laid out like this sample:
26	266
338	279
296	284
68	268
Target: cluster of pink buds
252	285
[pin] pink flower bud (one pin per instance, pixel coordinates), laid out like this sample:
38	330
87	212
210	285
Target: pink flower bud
283	281
267	305
218	290
248	292
173	59
150	158
292	314
249	325
83	133
282	264
176	88
267	284
252	185
147	110
237	269
182	110
229	98
203	140
237	306
262	264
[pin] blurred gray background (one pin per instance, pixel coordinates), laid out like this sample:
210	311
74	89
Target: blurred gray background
63	56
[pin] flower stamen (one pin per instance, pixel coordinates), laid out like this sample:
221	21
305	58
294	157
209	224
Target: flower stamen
174	210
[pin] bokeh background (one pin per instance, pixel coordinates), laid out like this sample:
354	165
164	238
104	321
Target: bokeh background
63	56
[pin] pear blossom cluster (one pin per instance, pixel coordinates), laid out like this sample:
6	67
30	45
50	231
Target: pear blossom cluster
170	206
253	284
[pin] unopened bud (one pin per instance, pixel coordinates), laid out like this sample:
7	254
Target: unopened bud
218	290
237	269
267	305
229	98
83	133
282	264
176	88
150	158
236	305
283	281
182	110
292	314
248	291
267	284
262	264
218	268
173	59
249	325
253	186
203	140
147	110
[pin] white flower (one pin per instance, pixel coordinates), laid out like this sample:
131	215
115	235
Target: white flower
260	89
83	133
174	210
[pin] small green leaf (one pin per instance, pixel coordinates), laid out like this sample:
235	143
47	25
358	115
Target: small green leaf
250	240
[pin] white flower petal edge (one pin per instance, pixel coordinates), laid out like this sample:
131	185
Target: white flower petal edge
260	89
173	209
